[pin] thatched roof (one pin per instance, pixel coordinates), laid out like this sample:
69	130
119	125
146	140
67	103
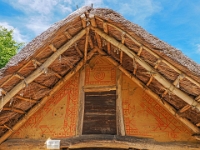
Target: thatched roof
32	75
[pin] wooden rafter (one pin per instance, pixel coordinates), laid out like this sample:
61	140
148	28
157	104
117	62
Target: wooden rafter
68	35
187	107
52	47
157	75
140	50
151	52
44	100
105	28
170	108
14	110
83	20
121	52
39	71
78	50
86	44
26	99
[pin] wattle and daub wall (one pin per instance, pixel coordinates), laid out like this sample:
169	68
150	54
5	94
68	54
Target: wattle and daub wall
143	115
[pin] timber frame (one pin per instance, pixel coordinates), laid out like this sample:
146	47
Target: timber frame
100	35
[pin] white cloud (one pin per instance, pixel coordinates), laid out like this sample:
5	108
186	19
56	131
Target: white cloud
16	33
139	11
38	24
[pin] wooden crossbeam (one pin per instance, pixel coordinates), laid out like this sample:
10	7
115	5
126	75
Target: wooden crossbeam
121	52
86	44
157	75
157	63
52	47
26	99
39	71
14	110
140	50
78	50
187	107
170	108
90	41
45	99
152	52
68	35
99	88
105	28
150	80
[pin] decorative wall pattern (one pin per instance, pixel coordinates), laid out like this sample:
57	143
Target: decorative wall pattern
100	72
144	117
58	116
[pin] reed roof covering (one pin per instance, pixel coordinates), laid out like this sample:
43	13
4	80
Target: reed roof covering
41	66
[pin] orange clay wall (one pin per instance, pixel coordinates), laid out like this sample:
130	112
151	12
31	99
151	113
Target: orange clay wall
145	117
57	118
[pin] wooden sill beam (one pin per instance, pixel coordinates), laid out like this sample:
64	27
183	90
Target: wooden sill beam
157	75
26	99
151	52
39	71
170	108
102	141
45	99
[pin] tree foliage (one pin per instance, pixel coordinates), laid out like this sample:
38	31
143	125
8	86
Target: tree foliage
8	46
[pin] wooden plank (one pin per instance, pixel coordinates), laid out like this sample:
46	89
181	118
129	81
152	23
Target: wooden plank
14	110
161	79
97	107
101	141
119	113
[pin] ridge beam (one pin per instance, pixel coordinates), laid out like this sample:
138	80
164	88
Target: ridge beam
157	75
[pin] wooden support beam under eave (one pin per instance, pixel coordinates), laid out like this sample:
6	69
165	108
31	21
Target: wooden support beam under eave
144	64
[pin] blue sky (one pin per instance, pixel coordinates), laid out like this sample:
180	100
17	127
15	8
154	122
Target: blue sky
176	22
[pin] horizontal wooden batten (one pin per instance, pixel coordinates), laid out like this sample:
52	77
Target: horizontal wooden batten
14	110
101	141
157	75
39	71
99	88
26	99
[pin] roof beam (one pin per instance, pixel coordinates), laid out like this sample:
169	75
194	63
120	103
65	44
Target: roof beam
78	50
52	47
39	71
26	99
157	75
14	110
105	28
170	108
151	52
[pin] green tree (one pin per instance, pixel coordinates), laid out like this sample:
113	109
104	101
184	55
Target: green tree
8	46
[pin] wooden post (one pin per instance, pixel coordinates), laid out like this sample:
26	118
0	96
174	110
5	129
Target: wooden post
79	127
119	112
